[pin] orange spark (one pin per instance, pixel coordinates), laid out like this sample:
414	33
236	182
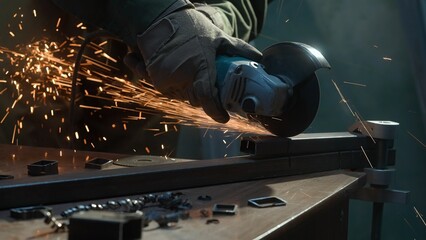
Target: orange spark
58	22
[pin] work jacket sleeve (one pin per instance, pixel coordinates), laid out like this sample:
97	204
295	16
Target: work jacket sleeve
241	18
123	18
128	18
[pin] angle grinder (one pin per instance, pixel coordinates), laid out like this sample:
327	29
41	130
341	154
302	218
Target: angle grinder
281	92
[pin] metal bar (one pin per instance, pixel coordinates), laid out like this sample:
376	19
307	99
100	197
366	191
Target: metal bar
165	177
310	143
261	147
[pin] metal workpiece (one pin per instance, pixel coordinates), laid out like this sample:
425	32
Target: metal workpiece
302	144
348	148
156	178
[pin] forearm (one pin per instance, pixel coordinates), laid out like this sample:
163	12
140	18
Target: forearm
240	18
128	18
123	18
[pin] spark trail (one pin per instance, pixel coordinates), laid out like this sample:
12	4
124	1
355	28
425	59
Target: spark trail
40	73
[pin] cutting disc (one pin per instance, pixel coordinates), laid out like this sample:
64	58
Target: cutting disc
295	64
299	113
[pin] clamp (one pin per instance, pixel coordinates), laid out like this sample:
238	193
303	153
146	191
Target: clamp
379	176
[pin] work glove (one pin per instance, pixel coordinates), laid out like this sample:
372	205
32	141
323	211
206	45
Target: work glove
178	57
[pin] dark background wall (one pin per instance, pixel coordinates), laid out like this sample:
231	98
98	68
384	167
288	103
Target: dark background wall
365	42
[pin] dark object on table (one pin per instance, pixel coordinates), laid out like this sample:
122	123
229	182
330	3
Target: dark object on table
26	213
228	209
105	225
43	167
6	177
98	163
212	220
204	198
264	202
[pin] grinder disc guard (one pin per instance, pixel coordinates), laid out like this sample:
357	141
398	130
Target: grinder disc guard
295	64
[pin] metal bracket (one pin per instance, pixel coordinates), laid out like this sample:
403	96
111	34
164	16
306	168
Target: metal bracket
379	178
375	129
378	195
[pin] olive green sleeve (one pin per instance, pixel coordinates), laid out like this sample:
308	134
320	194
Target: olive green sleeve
123	18
127	18
241	18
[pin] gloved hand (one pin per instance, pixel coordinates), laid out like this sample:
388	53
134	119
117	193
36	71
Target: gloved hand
179	53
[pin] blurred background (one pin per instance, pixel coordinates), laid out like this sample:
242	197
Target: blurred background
378	57
377	50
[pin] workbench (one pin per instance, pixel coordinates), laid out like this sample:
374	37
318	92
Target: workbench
317	203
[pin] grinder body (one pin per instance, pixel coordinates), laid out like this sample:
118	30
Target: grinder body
245	87
281	92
